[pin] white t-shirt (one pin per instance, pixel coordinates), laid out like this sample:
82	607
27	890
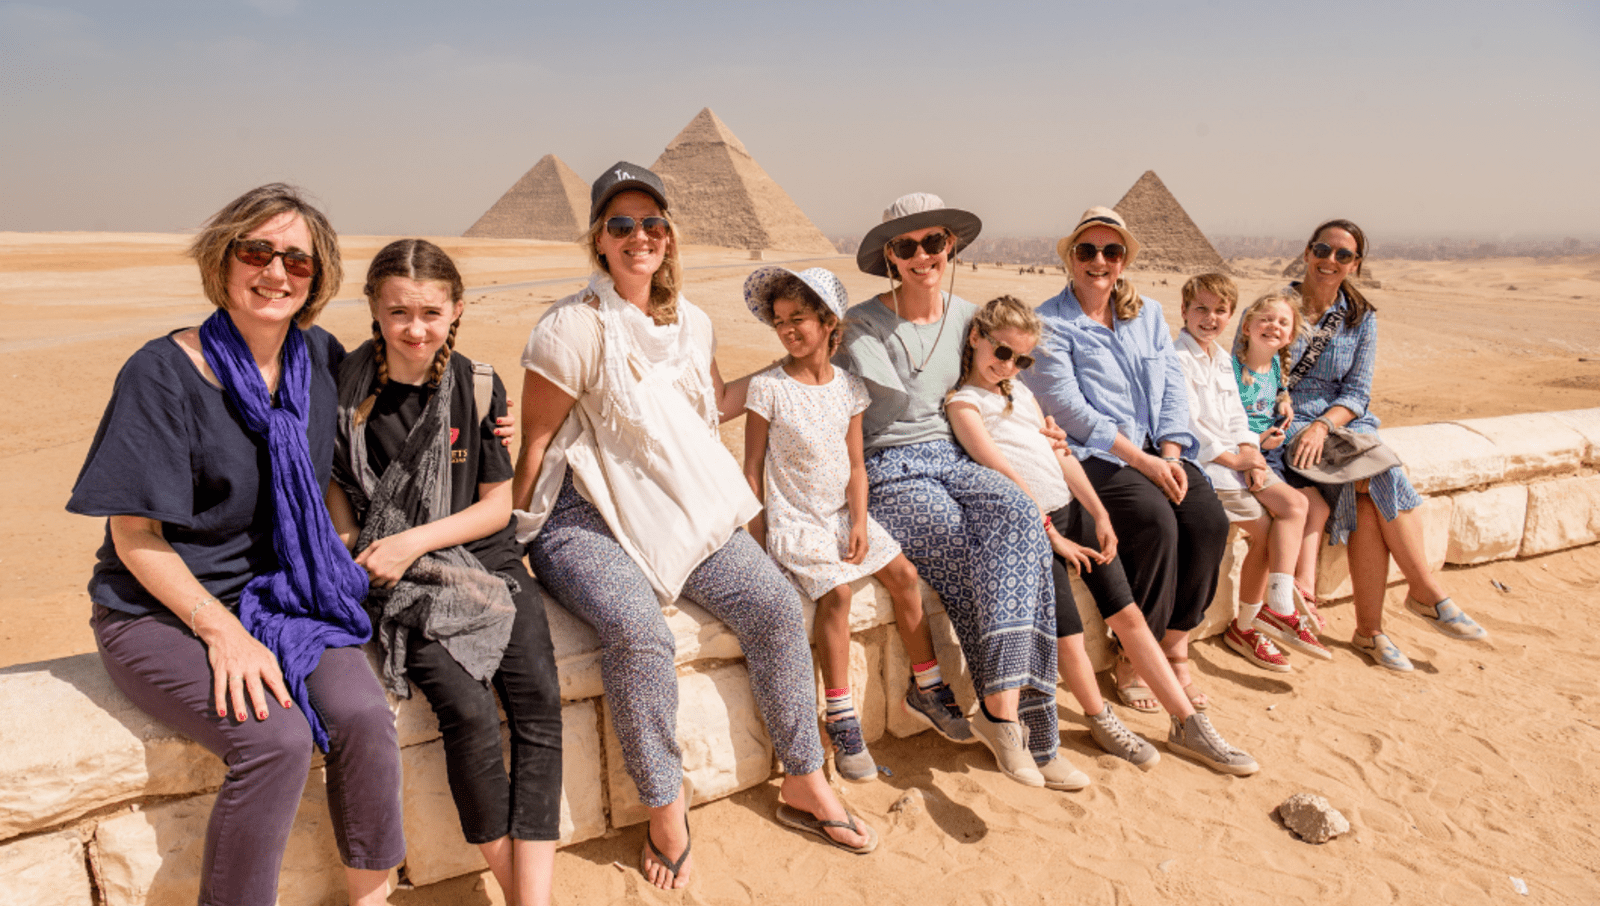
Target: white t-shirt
1017	435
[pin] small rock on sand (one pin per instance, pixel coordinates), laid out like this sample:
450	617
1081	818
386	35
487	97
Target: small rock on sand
1311	818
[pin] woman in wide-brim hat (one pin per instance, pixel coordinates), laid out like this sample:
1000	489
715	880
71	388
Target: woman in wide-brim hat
628	499
971	533
1113	381
1376	516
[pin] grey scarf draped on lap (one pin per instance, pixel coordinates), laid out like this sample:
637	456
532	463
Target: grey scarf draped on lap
446	594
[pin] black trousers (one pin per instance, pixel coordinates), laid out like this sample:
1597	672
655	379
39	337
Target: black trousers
492	802
1172	554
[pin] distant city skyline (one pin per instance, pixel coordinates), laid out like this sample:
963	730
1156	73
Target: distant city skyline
1467	120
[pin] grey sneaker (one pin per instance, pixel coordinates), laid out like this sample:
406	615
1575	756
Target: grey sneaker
1199	740
1113	736
1008	741
850	756
937	709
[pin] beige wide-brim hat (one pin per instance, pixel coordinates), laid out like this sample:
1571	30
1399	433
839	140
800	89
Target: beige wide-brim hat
914	212
1098	216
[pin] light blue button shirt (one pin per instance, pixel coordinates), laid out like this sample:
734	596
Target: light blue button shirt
1098	382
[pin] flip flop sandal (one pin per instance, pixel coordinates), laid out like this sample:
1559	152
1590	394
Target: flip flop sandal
790	816
671	865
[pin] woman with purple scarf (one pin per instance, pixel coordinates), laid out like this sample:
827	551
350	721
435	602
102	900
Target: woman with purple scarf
225	605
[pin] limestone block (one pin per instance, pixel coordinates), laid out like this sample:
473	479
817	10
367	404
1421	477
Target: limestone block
1561	514
1534	443
151	856
1333	568
577	652
435	848
47	870
720	732
1444	456
870	605
583	794
99	749
897	673
699	635
1587	423
1487	525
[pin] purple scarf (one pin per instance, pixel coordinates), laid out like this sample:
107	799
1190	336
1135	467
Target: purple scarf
312	602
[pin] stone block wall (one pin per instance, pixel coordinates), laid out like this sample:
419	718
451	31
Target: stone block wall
100	804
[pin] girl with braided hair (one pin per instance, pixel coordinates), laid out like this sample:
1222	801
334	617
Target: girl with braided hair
423	497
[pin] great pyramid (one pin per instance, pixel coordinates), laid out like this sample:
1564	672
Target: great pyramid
1169	240
550	201
721	196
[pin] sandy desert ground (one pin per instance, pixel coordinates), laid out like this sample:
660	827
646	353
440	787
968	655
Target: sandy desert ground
1478	769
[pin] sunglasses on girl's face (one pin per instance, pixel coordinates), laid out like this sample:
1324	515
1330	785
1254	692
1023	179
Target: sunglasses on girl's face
906	249
1323	250
1113	251
623	227
1006	354
259	253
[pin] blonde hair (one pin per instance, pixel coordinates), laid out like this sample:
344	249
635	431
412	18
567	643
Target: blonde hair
243	215
1216	284
1001	313
665	283
1241	342
420	260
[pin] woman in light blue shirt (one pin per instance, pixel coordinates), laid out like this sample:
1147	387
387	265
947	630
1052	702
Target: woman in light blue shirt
1376	516
1112	380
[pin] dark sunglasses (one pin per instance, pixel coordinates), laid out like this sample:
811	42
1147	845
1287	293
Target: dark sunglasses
622	227
1113	251
1006	354
259	253
1323	250
906	249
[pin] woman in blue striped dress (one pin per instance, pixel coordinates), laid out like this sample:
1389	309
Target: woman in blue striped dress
1377	516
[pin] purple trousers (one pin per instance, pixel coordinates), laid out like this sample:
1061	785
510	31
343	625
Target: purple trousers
161	666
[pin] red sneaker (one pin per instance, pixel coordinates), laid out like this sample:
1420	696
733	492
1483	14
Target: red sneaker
1256	648
1291	631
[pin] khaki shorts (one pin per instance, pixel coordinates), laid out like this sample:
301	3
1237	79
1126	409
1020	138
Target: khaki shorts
1241	505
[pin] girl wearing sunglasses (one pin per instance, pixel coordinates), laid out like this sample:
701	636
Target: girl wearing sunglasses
1377	516
973	535
202	621
999	423
1112	378
628	499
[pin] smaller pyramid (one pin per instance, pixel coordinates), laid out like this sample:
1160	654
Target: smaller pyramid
721	196
550	201
1169	240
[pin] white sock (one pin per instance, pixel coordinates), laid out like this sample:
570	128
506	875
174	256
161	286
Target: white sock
1280	594
1247	614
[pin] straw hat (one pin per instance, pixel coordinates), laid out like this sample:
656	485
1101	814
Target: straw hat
1098	216
914	212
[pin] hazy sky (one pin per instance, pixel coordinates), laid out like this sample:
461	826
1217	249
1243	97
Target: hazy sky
1460	118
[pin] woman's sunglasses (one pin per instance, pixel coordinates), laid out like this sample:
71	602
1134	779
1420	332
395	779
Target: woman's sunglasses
623	227
259	253
1323	250
906	249
1006	354
1113	251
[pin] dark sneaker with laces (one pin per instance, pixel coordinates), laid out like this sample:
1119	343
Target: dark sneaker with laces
1196	738
1112	735
937	709
850	756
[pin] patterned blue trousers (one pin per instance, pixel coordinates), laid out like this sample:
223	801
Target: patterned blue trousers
979	542
579	561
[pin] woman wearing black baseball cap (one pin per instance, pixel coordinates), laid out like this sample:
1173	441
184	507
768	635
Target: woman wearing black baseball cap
628	499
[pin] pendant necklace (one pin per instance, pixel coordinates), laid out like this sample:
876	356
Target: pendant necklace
916	370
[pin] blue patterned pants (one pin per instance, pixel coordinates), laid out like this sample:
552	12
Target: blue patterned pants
578	560
979	542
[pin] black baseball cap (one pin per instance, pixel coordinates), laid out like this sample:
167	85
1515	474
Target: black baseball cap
624	177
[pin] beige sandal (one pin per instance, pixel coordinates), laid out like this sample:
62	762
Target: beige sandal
1197	699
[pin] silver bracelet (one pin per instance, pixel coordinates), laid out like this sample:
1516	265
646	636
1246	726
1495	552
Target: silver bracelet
199	607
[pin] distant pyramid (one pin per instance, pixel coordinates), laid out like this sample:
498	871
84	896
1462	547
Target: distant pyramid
1169	240
721	196
550	201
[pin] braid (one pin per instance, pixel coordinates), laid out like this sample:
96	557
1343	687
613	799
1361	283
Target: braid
1005	391
380	352
442	357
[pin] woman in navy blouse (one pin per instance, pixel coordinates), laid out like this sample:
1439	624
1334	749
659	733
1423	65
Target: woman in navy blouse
1377	516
